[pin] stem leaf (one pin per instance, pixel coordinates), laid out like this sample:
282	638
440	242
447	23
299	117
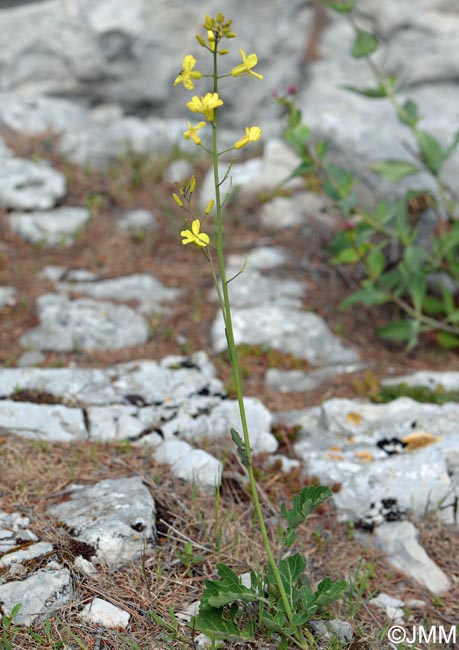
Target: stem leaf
241	450
364	44
394	170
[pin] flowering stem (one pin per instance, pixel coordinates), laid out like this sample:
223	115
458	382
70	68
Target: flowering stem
233	355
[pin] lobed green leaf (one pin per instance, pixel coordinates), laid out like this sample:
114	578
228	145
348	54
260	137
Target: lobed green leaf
364	44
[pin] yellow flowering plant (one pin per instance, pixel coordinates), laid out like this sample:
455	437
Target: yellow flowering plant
285	600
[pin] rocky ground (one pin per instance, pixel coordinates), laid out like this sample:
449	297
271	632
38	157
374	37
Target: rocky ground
115	381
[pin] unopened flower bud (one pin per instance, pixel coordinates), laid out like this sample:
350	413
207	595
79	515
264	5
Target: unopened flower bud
177	200
210	205
200	40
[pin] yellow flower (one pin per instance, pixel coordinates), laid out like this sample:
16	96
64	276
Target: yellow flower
191	133
248	62
193	236
252	134
205	105
188	74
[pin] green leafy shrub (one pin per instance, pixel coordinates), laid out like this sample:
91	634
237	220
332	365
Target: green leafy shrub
422	281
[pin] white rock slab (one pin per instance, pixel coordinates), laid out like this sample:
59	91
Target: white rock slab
84	324
27	185
57	227
261	258
136	221
284	212
178	170
393	607
397	418
41	594
36	115
13	532
193	465
8	296
399	541
71	385
299	381
252	288
168	384
449	381
22	555
172	381
144	288
5	150
52	422
303	334
113	423
116	516
334	434
101	612
333	629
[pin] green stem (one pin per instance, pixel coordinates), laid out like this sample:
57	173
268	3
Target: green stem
237	376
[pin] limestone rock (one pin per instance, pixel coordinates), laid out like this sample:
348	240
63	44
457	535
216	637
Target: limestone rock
252	288
303	334
57	227
27	185
84	324
299	381
193	465
283	212
40	595
178	170
448	381
360	446
42	421
393	607
261	258
399	541
5	150
341	630
137	221
143	288
38	115
116	516
7	296
101	612
22	555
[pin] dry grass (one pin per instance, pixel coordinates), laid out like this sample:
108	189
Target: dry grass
35	475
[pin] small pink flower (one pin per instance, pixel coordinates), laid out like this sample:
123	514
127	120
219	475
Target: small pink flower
348	225
274	94
292	90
